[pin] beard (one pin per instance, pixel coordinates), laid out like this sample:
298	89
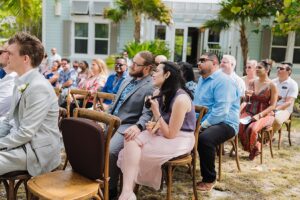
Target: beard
136	74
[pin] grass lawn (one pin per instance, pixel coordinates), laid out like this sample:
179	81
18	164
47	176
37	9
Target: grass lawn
277	178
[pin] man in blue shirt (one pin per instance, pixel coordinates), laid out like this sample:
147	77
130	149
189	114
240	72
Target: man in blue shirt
220	95
114	80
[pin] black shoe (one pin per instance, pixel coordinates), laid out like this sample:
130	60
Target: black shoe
113	194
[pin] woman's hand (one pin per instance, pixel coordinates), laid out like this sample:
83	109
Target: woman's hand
152	127
155	107
256	117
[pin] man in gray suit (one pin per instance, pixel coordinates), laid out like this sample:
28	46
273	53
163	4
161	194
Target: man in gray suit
129	107
29	135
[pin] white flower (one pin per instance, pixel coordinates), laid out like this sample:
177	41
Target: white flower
23	87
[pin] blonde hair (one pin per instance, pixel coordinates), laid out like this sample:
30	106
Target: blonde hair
102	66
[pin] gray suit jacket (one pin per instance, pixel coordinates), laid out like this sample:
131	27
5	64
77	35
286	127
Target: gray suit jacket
132	111
35	114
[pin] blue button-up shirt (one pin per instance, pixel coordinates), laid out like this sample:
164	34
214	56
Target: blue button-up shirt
221	96
112	85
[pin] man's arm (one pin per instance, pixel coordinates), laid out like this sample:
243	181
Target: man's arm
37	105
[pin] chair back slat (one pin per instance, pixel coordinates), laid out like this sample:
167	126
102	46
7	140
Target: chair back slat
71	95
98	100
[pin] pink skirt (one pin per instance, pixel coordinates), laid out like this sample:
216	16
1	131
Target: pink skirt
156	150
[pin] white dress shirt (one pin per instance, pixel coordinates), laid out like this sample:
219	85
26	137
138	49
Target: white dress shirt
6	91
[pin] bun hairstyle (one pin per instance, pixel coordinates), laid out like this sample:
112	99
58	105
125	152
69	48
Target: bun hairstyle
267	63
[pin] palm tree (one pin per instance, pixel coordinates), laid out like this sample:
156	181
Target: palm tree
152	9
28	14
240	12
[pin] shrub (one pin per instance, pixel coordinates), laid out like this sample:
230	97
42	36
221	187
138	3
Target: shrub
110	61
157	47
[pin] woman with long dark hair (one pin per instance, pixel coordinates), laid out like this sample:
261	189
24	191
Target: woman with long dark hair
168	136
262	97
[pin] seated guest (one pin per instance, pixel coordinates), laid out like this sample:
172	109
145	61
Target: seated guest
29	135
75	66
288	92
96	79
160	58
219	93
174	114
67	80
188	75
262	94
129	107
53	75
114	80
7	83
83	74
227	65
250	71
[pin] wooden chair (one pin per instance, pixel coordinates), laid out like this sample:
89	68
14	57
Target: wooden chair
262	135
87	150
234	141
71	96
98	100
187	159
12	182
288	124
57	91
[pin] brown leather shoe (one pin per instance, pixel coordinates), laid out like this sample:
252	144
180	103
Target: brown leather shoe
205	187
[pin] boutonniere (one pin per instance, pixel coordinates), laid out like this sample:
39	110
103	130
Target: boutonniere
23	87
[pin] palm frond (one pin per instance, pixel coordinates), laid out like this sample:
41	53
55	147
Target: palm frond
216	25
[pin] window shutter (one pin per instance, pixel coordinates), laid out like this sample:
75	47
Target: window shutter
266	41
66	38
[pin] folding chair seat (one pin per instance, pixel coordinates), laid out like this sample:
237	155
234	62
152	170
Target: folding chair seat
87	151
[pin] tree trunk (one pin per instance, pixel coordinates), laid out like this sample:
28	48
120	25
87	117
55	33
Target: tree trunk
244	45
137	27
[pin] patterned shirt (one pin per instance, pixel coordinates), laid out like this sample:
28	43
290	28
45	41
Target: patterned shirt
70	74
124	93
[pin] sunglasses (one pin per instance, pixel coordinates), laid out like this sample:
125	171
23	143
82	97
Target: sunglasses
282	68
2	51
203	60
119	65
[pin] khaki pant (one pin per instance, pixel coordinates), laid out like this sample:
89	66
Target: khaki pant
280	117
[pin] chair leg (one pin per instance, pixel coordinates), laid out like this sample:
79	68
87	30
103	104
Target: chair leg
194	162
289	125
270	133
261	146
236	141
220	161
169	182
279	138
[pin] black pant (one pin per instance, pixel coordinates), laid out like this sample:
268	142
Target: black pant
207	143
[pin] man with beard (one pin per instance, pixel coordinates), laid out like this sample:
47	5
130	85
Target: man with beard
217	92
129	107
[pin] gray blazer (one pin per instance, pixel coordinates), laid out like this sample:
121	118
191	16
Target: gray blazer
35	114
132	111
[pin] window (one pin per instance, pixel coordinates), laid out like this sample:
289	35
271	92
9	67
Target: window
213	40
279	45
101	38
160	32
296	59
80	7
81	38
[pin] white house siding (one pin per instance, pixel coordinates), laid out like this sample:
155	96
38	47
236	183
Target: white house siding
53	30
126	33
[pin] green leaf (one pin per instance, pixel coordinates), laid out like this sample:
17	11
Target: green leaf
287	3
235	10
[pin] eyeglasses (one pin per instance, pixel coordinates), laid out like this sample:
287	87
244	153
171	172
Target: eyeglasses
118	65
203	60
282	68
157	64
139	65
259	67
2	51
